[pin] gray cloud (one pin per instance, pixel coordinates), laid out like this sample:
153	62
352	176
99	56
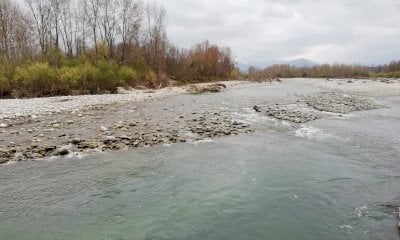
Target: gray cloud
346	31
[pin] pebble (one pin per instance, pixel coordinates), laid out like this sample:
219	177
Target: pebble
3	125
339	103
103	129
108	139
287	113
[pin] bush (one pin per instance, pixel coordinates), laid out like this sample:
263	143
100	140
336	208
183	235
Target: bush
108	78
151	77
69	78
128	75
87	78
5	86
37	79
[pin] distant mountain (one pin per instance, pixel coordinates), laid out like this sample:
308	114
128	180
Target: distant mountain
259	65
302	62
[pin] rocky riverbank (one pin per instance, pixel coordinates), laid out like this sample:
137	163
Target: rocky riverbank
316	106
40	128
58	139
77	125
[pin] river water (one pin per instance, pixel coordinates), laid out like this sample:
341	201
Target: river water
334	178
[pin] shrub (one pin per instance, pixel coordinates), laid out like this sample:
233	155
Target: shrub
108	78
68	79
151	76
87	78
235	73
37	79
128	75
4	85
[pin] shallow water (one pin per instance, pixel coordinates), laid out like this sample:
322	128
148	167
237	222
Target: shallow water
329	179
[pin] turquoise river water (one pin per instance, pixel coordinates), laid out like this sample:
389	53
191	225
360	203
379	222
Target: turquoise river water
335	178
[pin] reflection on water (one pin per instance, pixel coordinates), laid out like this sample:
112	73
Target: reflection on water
330	179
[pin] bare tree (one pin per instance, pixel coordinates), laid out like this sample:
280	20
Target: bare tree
156	37
92	14
15	32
41	12
130	19
80	25
55	9
67	28
108	22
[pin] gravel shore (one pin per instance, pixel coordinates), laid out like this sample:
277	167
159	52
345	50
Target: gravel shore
58	126
45	127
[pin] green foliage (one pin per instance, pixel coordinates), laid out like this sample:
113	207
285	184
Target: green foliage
151	76
40	79
37	79
4	84
128	76
69	78
387	75
108	78
87	78
322	71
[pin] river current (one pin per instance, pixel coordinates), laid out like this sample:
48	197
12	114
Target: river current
333	178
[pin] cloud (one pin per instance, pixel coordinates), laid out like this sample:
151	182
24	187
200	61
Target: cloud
349	31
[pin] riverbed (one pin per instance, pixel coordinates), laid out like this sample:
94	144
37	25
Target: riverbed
333	177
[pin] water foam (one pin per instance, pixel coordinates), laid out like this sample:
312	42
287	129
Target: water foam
207	140
312	133
249	116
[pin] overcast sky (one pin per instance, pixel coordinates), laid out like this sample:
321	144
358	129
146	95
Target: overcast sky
326	31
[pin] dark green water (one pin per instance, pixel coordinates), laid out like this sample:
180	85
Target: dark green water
329	180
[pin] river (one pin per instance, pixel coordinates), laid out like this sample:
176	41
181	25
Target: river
333	178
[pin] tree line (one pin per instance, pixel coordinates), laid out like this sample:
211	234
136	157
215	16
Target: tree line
53	47
391	70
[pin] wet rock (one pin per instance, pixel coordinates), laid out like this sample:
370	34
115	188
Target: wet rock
125	137
257	108
50	148
63	152
4	156
398	217
76	141
87	145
